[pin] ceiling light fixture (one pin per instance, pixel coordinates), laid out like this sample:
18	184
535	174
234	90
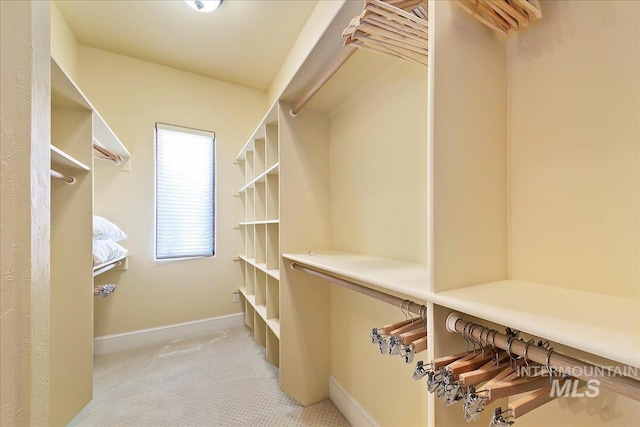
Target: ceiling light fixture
204	5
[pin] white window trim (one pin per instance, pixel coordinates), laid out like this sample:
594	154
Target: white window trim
165	126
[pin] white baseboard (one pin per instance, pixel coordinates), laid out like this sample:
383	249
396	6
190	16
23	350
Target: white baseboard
348	406
145	337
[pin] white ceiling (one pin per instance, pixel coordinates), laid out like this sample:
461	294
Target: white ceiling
243	42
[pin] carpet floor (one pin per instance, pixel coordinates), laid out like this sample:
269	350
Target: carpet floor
221	379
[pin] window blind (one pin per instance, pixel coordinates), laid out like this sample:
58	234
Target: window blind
185	192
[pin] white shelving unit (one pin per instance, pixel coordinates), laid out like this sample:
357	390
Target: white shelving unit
260	226
75	126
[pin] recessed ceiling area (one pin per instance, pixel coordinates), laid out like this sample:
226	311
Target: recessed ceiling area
243	42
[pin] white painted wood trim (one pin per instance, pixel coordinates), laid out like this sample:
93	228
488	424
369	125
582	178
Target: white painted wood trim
348	406
145	337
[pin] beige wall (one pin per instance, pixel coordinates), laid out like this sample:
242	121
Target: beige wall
132	96
64	46
378	177
574	168
378	187
24	213
574	148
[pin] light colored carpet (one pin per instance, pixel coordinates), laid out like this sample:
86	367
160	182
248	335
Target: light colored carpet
220	379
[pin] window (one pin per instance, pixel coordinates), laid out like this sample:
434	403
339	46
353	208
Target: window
185	192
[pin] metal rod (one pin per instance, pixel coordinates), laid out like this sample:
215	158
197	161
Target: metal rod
381	296
108	154
324	77
106	268
564	364
67	179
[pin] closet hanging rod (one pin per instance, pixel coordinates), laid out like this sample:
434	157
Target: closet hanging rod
67	179
381	296
324	77
108	154
547	357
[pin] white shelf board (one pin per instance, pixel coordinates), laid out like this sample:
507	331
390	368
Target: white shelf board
270	221
273	170
275	273
602	325
270	117
378	273
262	311
274	325
65	93
61	159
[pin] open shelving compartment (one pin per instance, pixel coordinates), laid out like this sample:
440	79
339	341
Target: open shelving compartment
260	160
75	126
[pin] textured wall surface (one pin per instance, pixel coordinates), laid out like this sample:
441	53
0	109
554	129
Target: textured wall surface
24	213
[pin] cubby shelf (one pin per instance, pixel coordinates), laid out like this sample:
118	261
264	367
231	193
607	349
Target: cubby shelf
261	309
258	161
61	159
275	273
273	170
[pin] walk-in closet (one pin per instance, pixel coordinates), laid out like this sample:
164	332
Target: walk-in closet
332	213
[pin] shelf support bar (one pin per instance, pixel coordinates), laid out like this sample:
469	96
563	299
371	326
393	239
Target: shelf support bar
373	293
547	357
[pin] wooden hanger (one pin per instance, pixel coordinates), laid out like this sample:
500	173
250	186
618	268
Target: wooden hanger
485	373
394	27
503	16
419	345
393	326
408	337
415	324
438	363
460	366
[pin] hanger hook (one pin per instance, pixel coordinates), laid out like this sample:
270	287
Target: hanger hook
402	308
547	367
524	355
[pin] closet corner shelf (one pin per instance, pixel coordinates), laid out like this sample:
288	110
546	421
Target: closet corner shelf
377	273
271	116
275	273
273	324
103	268
61	159
272	170
602	325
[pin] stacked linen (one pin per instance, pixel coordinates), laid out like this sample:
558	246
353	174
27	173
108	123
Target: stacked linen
105	237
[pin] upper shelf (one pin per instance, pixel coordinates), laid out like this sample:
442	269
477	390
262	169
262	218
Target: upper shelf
61	159
401	277
66	94
599	324
260	132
